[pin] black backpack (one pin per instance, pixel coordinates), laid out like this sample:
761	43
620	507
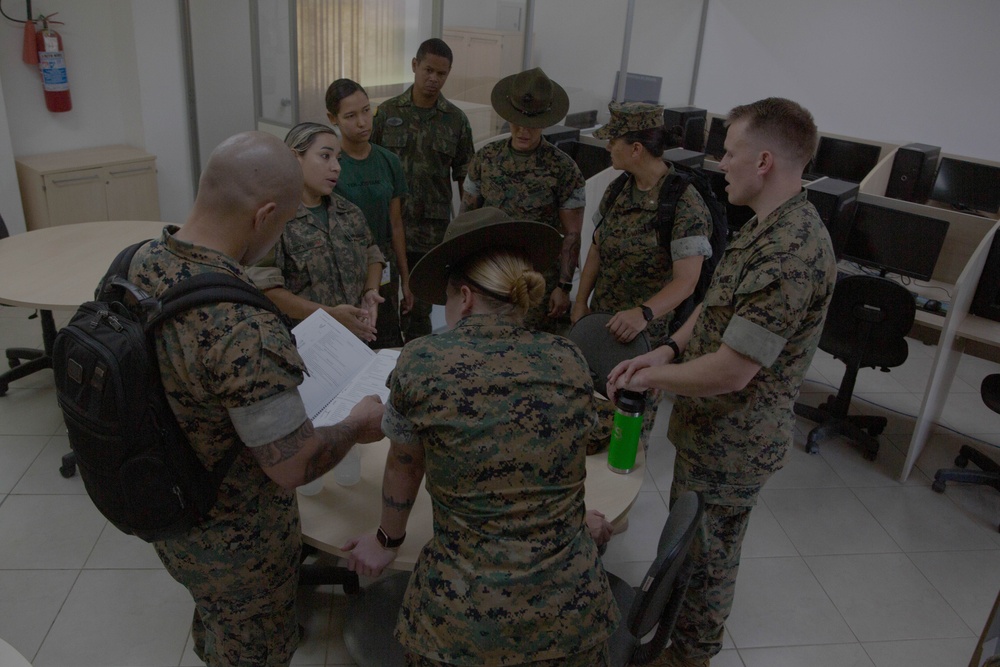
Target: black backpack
136	463
677	182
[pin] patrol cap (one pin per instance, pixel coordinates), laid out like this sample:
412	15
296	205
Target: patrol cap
476	231
630	117
530	99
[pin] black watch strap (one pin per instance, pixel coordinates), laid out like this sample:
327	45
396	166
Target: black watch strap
672	344
647	312
386	541
565	287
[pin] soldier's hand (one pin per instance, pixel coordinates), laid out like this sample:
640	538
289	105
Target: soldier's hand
367	557
558	303
599	527
369	302
407	304
625	325
621	376
357	320
367	416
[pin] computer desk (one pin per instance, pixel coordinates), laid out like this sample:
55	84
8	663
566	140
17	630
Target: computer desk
338	513
58	268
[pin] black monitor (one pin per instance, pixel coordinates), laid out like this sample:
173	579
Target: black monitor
589	158
968	186
845	160
640	88
892	240
736	216
715	144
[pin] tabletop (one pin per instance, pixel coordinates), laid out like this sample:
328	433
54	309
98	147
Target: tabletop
337	513
57	268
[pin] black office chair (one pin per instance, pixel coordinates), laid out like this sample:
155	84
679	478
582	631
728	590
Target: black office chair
24	361
866	326
657	600
989	470
600	348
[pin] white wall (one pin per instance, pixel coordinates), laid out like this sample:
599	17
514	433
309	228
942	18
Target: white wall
580	46
891	70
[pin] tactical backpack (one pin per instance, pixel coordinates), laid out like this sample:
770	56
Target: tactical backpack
677	182
136	463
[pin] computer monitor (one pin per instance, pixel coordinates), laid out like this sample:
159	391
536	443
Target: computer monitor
715	144
968	186
736	216
640	88
892	240
843	159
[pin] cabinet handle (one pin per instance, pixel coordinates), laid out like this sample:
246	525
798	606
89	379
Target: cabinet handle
136	170
78	179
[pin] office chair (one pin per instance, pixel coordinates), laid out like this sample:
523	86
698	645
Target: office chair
600	348
24	361
866	326
989	470
657	601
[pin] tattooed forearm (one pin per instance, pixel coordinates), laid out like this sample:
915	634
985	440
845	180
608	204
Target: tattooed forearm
404	505
286	447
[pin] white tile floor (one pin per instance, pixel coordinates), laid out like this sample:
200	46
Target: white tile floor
842	564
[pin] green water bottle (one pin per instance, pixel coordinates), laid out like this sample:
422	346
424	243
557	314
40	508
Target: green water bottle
624	445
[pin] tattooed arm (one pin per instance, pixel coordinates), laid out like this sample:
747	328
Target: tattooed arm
308	452
404	470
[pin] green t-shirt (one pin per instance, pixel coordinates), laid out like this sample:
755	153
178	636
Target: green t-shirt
371	184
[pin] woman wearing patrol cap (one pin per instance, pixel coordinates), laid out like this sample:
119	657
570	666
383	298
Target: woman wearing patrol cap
631	273
527	177
496	416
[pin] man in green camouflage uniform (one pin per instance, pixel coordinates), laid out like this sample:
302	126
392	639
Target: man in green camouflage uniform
326	262
433	140
745	356
231	374
527	177
498	416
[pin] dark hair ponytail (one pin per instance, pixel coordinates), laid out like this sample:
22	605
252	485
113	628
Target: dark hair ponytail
656	139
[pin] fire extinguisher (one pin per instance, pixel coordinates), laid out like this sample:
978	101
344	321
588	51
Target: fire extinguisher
52	65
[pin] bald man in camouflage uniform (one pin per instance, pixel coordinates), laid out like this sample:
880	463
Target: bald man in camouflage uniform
231	373
745	353
326	263
528	178
433	140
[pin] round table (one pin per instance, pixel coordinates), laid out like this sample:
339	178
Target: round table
338	513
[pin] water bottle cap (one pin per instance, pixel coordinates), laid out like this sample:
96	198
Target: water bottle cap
631	401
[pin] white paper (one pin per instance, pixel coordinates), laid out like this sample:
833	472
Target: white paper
341	368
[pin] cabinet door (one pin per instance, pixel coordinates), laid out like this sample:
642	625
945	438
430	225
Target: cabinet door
75	196
132	192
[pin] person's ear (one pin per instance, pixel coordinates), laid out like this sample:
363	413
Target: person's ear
468	298
263	215
330	117
413	65
765	162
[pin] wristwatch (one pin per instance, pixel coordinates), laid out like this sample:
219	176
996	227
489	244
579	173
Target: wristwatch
386	541
672	344
565	287
647	312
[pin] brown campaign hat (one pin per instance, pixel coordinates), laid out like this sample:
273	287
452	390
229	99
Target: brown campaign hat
630	117
473	232
530	99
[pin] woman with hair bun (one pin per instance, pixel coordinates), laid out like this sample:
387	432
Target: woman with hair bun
498	417
630	272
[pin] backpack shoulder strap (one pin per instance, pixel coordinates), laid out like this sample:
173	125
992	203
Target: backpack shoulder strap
206	288
677	182
118	269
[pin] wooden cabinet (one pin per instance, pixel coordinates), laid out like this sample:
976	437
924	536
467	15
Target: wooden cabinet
87	185
481	58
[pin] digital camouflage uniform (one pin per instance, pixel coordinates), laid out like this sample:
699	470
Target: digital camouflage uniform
435	146
327	264
532	187
511	574
633	264
241	564
767	301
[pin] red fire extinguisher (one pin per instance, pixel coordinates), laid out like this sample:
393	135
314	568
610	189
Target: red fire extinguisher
52	65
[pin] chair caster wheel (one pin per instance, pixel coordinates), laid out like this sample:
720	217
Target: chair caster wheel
938	485
67	471
67	467
870	456
812	448
961	461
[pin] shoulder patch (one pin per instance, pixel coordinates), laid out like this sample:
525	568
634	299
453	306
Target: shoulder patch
395	121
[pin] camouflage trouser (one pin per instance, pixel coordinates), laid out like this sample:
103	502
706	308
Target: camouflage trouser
417	322
261	632
697	635
596	656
